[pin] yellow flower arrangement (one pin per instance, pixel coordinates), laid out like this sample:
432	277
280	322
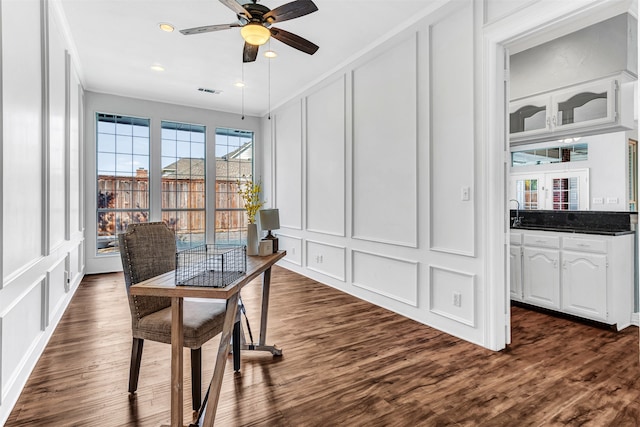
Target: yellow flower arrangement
250	194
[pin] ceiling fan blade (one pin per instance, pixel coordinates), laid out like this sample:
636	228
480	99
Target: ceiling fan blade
250	52
294	41
209	28
291	10
236	7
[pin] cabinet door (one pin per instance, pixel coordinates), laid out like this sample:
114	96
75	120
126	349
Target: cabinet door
586	105
529	116
541	273
584	284
515	258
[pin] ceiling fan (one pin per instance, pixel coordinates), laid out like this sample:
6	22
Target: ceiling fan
254	21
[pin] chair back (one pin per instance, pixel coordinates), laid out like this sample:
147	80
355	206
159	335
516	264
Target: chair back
147	250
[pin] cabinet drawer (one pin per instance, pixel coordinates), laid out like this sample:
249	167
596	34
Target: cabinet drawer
588	245
542	241
516	239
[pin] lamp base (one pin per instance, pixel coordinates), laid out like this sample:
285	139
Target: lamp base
274	240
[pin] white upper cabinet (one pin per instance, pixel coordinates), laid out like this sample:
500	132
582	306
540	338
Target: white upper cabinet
530	117
579	110
586	105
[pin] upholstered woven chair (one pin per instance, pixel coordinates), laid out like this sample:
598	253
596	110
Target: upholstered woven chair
147	250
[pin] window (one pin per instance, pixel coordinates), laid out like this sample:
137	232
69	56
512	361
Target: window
122	159
527	193
565	194
545	156
551	190
234	162
183	182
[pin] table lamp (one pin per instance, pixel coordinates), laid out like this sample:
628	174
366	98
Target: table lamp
270	220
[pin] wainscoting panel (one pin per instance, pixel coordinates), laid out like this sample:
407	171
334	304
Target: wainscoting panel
452	133
390	277
56	288
452	294
288	153
57	137
74	161
22	324
385	145
293	246
326	259
72	264
22	104
326	159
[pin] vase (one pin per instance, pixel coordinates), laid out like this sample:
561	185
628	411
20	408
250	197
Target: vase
252	239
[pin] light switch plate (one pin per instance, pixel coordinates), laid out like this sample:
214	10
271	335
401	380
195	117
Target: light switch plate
464	194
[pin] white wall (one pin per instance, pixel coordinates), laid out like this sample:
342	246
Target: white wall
42	233
368	169
600	50
156	112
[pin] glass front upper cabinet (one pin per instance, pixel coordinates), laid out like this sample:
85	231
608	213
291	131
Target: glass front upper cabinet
582	109
587	105
529	116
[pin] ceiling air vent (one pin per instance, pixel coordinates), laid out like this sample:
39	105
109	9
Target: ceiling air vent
214	91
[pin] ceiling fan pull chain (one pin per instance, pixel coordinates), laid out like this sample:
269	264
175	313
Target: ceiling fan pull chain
269	85
243	85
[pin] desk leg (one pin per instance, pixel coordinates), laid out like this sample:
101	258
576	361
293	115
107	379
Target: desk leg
177	339
221	361
264	313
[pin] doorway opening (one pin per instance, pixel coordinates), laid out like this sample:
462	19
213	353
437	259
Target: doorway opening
555	193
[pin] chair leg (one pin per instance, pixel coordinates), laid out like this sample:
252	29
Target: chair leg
236	347
134	369
196	378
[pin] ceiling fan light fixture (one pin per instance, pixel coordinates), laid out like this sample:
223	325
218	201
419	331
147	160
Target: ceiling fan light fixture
165	26
255	34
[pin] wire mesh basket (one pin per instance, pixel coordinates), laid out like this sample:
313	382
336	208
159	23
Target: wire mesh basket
211	265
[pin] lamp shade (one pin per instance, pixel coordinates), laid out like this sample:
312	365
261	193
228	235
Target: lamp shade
269	219
255	34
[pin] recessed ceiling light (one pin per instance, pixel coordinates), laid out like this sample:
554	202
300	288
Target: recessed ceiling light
157	67
270	54
239	84
165	26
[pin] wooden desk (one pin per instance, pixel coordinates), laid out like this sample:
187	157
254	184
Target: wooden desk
164	285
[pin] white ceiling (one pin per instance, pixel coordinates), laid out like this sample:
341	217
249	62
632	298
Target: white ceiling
117	41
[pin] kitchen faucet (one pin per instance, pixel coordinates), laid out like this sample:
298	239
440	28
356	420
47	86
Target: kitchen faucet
517	221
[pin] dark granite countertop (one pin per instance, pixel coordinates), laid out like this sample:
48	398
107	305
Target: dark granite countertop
584	222
571	230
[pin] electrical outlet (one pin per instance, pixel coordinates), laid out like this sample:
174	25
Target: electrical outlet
612	200
457	299
598	201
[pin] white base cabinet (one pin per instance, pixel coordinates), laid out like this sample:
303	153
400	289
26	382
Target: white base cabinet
585	275
541	277
515	262
583	293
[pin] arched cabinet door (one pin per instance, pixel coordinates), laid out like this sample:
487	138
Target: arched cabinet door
529	117
591	104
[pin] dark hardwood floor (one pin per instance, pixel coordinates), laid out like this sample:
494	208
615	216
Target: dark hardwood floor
345	363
